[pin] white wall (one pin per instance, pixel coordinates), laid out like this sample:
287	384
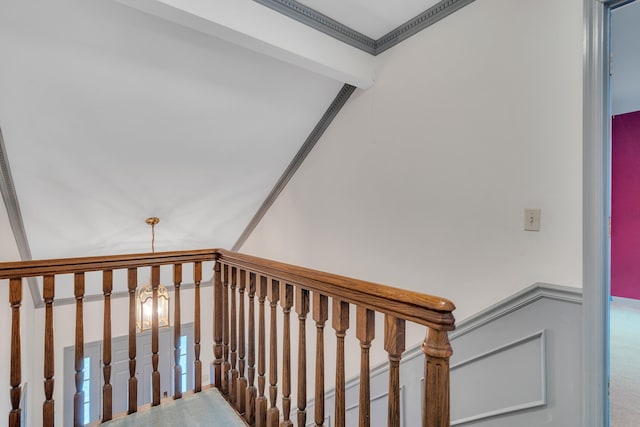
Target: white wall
421	181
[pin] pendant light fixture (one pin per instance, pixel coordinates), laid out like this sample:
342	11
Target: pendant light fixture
144	312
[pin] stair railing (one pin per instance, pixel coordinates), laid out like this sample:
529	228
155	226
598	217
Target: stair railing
238	281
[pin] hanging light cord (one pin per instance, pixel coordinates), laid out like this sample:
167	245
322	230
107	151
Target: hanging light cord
153	239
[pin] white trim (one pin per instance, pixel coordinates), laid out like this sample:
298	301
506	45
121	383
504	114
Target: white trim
521	299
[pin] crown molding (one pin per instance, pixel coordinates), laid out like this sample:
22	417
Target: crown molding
321	22
302	154
314	19
413	26
10	199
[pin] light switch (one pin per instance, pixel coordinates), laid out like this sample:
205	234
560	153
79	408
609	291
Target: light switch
532	219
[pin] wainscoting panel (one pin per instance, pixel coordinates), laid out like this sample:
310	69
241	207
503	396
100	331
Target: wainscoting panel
517	363
520	385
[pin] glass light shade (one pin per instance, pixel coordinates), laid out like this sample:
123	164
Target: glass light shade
144	309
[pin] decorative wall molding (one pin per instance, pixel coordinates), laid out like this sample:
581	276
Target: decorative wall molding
302	154
541	401
15	217
415	25
323	23
518	300
508	305
345	34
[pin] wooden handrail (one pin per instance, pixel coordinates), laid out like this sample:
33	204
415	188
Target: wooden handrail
283	287
20	269
423	309
396	301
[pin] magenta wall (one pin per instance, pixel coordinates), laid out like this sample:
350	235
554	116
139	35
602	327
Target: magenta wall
625	206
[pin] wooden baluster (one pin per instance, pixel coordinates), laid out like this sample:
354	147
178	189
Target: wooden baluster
365	332
78	397
242	380
302	308
225	332
320	315
394	344
155	375
233	354
261	400
273	414
197	364
107	388
132	283
287	303
217	325
250	411
340	320
48	407
15	300
435	408
177	369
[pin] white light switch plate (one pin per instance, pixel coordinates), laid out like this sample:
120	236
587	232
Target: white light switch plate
532	219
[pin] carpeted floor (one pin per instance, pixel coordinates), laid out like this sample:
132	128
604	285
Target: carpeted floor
625	363
207	408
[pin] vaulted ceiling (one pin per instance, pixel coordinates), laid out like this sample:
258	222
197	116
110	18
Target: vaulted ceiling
193	111
113	111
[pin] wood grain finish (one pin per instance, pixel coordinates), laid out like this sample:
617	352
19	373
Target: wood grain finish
302	308
286	302
320	315
394	344
107	388
226	366
15	300
273	413
197	363
428	310
48	407
261	400
365	332
437	350
217	325
177	370
290	285
78	397
132	284
242	380
155	357
10	270
250	412
233	353
340	321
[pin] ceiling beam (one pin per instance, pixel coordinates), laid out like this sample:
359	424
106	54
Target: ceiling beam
252	26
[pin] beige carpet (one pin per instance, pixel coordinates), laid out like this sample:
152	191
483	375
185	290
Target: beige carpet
625	363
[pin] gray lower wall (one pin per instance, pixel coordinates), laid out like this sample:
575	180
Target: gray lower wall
517	363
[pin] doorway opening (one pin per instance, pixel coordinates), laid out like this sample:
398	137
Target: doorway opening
624	272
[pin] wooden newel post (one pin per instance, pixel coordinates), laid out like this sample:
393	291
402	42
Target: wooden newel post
437	351
78	398
197	363
107	388
48	407
15	299
177	370
394	344
217	325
